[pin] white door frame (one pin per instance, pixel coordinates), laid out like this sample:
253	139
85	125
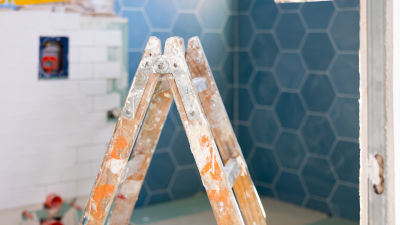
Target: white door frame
376	112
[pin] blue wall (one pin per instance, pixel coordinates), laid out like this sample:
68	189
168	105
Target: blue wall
292	96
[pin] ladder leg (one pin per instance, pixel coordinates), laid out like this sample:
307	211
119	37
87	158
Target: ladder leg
246	194
201	141
121	143
144	148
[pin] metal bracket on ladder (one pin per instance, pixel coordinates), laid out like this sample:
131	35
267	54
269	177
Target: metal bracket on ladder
200	126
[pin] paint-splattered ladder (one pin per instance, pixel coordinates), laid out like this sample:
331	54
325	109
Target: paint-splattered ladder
118	175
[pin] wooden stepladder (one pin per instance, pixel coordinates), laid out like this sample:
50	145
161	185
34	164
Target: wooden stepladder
201	125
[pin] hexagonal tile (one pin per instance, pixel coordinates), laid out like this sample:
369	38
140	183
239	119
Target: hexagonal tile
134	60
317	14
157	198
318	51
289	188
264	13
173	112
345	75
166	134
181	149
228	102
288	6
245	31
187	183
290	110
229	31
290	70
138	30
228	68
318	93
129	3
245	140
230	4
346	161
346	202
219	80
142	197
264	88
245	67
264	165
290	150
187	4
160	171
318	177
246	105
345	117
160	13
212	13
163	36
347	3
264	50
345	30
214	48
318	135
319	206
244	5
117	7
187	26
290	30
264	126
264	191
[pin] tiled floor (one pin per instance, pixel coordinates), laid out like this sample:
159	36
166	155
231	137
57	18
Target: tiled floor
197	211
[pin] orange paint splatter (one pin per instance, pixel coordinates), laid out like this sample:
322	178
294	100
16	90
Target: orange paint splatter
99	193
221	197
211	167
119	143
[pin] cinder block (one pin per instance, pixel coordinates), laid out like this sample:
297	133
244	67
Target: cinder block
93	87
80	38
65	21
85	187
107	102
103	135
93	54
77	172
33	195
46	108
92	153
107	38
73	55
108	70
65	190
17	74
80	71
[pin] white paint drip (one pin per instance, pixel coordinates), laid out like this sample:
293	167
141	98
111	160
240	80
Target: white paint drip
115	165
157	119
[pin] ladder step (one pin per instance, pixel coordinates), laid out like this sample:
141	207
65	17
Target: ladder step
131	167
200	84
232	171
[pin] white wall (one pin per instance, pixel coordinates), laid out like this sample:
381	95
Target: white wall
396	102
53	133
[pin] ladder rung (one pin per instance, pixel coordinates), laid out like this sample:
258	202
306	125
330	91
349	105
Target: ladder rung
232	171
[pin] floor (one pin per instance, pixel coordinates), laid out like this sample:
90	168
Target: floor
194	211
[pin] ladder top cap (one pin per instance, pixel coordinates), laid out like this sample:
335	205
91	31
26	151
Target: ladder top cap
175	46
153	47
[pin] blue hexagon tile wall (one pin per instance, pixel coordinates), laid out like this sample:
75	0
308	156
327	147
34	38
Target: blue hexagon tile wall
288	74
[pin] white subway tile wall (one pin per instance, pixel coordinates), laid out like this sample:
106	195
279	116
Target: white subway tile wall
53	133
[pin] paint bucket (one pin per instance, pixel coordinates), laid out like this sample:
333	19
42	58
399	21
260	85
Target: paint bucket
51	222
53	201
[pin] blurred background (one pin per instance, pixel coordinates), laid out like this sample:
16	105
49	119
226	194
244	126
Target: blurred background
287	72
